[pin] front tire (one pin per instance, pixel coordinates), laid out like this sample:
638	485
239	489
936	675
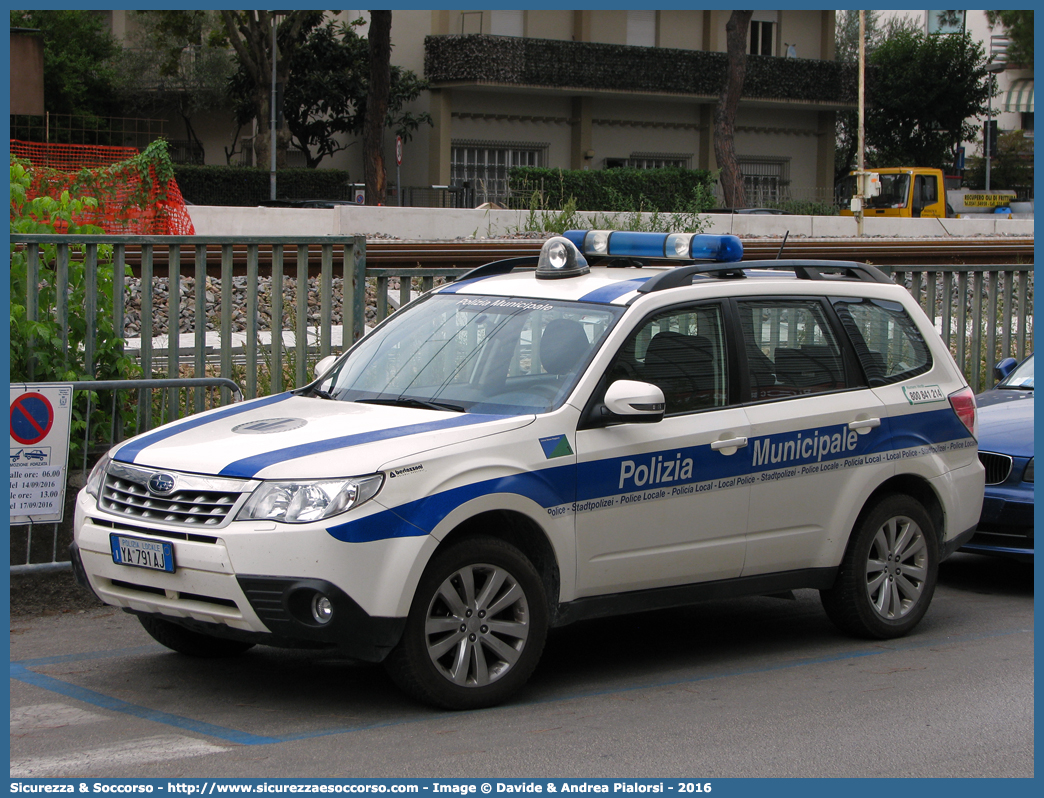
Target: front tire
476	628
888	575
192	644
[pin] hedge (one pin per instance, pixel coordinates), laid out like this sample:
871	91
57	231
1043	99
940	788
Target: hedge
248	186
667	190
479	58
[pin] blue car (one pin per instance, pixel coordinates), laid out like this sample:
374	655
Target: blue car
1006	450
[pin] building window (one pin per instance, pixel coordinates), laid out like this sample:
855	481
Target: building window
762	37
1027	124
484	166
651	160
507	23
765	180
641	28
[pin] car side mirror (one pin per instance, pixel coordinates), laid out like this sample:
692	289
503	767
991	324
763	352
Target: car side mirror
635	402
1004	368
324	365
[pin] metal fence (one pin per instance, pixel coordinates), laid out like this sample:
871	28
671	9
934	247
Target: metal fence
983	313
233	336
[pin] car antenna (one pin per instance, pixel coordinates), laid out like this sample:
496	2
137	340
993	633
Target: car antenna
778	254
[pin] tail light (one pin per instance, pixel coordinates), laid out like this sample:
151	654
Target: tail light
963	404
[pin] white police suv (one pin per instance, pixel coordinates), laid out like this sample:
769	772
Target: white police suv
623	428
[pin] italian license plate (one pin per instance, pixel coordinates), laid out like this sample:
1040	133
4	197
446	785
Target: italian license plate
153	554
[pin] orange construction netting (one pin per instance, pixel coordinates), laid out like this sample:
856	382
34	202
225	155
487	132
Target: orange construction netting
136	193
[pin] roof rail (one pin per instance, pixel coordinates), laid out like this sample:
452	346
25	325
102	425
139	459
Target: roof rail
498	267
803	270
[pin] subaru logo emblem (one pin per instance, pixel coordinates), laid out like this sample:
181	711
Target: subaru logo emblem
161	483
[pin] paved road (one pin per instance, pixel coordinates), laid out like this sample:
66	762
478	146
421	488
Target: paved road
761	687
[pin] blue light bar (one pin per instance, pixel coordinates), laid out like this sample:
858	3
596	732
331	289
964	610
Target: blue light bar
685	246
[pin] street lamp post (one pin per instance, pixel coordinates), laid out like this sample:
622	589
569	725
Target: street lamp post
997	63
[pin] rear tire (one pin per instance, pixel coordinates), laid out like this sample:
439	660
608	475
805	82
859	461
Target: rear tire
193	644
476	628
888	574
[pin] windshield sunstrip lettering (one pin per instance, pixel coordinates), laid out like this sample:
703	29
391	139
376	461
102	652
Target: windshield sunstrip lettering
508	304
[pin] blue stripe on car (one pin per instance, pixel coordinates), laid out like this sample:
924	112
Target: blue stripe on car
127	453
250	466
597	479
548	487
607	293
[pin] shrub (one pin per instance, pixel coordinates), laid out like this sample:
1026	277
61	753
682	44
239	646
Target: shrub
38	351
668	190
248	186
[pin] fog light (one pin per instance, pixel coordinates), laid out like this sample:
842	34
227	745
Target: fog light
322	609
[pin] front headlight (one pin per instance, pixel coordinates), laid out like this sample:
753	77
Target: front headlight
97	476
1027	475
312	500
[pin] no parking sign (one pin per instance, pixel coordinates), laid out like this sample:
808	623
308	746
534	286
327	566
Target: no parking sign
40	423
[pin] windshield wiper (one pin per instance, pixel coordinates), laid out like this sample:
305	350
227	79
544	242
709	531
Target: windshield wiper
323	394
409	401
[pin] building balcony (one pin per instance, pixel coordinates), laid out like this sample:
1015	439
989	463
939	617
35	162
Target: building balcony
588	68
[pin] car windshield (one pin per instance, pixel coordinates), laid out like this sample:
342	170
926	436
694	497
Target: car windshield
474	354
1021	379
894	191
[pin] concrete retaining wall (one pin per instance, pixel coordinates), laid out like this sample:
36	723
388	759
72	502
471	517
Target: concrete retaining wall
425	224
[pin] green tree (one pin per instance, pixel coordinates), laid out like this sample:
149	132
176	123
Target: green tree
1019	26
378	98
846	50
250	87
725	111
924	94
1011	168
79	53
325	100
173	66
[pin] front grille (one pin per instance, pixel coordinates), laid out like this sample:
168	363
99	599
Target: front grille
195	501
998	467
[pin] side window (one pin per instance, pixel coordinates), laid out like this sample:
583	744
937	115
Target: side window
791	349
681	351
888	343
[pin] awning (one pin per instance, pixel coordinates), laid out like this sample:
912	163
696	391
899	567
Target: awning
1020	96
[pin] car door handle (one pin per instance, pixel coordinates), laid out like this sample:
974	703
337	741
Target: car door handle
729	443
864	425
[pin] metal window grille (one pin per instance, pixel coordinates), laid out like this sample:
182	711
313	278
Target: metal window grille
485	166
765	180
659	160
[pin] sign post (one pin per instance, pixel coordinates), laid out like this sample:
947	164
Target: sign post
41	418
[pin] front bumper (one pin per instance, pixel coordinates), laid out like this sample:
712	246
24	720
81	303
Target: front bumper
1005	527
256	582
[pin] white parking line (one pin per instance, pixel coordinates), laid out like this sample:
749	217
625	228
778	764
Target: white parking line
77	763
50	716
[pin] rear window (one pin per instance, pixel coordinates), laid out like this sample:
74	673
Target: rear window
889	345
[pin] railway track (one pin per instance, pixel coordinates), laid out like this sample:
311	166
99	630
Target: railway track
382	253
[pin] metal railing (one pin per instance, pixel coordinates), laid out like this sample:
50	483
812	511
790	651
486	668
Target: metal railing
341	256
43	553
984	313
